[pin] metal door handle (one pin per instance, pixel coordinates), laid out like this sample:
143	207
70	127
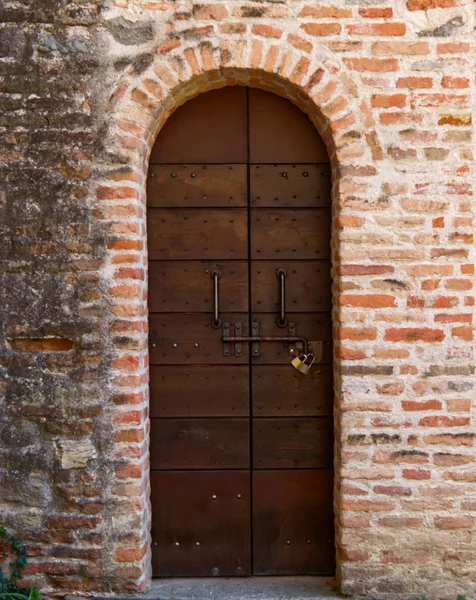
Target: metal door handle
216	321
282	321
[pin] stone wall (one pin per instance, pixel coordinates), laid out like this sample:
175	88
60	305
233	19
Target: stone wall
86	86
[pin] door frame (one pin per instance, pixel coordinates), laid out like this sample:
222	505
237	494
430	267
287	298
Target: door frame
138	116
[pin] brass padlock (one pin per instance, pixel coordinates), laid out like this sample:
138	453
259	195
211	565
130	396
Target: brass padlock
303	363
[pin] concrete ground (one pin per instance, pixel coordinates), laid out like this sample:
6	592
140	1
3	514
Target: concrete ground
236	588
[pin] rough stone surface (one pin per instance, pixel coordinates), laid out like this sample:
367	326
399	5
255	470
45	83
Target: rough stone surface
86	87
255	588
130	34
75	454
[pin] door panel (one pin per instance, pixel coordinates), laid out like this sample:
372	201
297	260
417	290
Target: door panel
308	286
278	186
197	186
287	443
211	128
184	286
239	182
293	525
279	392
184	234
290	234
177	391
208	508
279	133
190	339
199	444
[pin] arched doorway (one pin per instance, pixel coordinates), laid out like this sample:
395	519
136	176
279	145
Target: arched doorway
241	443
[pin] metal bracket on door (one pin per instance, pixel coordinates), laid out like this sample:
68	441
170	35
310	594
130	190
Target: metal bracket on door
298	345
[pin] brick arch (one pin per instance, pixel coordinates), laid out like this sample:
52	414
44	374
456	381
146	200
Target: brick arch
323	89
315	81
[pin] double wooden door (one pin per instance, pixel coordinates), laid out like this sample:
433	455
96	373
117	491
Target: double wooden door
241	442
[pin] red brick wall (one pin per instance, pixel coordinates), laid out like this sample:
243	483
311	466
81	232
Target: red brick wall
389	87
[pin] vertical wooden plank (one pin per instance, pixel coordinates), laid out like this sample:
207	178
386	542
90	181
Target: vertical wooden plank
293	522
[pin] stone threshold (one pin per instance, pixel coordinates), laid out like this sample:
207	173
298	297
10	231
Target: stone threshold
236	588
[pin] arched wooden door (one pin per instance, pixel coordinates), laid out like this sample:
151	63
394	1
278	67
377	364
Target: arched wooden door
241	442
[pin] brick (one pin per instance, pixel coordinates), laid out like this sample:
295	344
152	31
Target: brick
73	522
452	460
357	334
205	12
403	48
326	12
129	555
392	490
444	421
411	405
389	101
459	405
41	345
128	363
449	81
457	120
415	334
322	29
416	474
415	82
376	13
454	522
367	300
394	388
372	506
355	522
365	269
267	31
375	65
115	193
378	29
405	556
427	4
401	522
299	42
128	471
452	48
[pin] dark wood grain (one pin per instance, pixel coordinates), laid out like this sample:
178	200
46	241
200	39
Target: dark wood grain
292	443
293	523
184	234
290	186
199	444
240	182
281	133
211	128
280	391
197	185
186	286
290	234
308	286
209	508
199	391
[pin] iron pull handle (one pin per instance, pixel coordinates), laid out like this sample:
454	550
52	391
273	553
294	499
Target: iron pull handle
282	321
216	321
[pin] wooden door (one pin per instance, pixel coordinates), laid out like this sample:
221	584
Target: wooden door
241	442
